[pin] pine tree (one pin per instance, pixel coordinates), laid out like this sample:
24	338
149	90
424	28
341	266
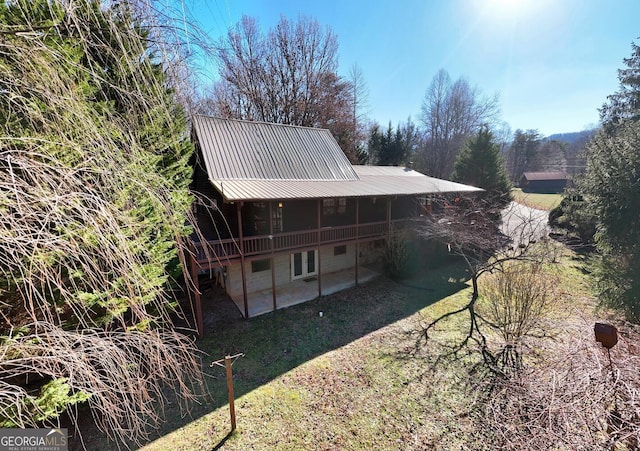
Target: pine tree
612	193
392	147
480	164
625	103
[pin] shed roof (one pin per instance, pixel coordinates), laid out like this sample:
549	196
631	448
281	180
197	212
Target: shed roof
255	160
551	175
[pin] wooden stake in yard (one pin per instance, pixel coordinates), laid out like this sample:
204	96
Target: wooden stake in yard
228	363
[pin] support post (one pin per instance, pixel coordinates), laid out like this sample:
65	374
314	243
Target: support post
242	268
196	293
388	217
232	408
228	363
319	214
357	245
273	268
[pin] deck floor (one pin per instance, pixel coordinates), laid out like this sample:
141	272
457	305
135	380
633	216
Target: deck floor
302	290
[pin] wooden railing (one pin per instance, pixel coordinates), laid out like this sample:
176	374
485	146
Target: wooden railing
223	251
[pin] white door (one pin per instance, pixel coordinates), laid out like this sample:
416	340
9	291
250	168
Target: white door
304	264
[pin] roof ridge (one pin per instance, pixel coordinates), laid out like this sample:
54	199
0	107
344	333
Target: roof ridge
250	121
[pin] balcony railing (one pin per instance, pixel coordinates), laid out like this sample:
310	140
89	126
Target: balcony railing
223	251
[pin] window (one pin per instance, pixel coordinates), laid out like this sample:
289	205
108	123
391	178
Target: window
261	265
259	212
337	206
276	218
258	215
340	250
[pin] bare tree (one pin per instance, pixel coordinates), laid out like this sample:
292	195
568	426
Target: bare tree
526	391
504	135
360	101
479	241
580	396
451	112
522	152
288	75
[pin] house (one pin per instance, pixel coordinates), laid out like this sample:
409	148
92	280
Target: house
285	217
544	182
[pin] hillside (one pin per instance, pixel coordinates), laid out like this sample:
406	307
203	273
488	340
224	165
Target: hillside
573	137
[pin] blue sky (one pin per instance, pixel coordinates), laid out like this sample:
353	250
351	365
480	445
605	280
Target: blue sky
553	62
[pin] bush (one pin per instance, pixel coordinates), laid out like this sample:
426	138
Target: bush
574	216
517	300
400	258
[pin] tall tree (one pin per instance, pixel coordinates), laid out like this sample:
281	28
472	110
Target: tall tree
480	164
392	147
451	113
522	152
359	101
550	156
93	198
610	185
288	75
625	103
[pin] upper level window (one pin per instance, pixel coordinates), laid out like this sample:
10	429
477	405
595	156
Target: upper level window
335	206
260	217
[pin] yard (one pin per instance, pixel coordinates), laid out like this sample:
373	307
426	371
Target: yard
349	379
535	200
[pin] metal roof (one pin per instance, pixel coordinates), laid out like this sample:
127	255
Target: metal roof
551	175
368	185
244	150
255	160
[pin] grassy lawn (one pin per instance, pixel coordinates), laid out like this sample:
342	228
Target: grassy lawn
330	382
534	200
346	380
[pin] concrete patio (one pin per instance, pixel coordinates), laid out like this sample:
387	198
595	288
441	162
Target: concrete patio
303	290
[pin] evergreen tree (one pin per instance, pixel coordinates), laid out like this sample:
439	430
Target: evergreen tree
625	103
392	147
93	198
480	164
611	187
612	192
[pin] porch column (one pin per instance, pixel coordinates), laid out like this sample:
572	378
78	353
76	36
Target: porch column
244	275
193	264
273	268
319	214
388	216
357	245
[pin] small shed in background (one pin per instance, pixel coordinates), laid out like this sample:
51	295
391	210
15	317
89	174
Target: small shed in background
544	182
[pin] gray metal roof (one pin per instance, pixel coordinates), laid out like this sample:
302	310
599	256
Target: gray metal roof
368	185
244	150
255	160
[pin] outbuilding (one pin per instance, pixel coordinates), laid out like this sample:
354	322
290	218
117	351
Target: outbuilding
544	182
